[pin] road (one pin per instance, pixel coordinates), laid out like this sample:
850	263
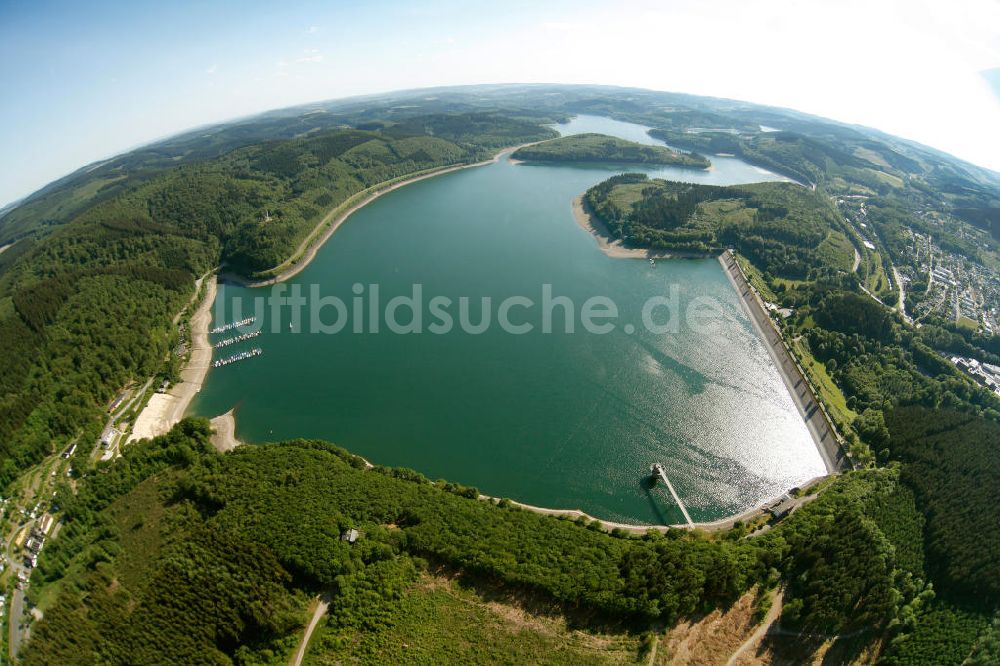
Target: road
772	614
322	604
902	294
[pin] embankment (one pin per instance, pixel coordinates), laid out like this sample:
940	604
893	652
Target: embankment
815	417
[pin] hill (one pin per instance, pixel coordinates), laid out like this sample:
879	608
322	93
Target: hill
134	257
897	557
175	553
602	148
783	228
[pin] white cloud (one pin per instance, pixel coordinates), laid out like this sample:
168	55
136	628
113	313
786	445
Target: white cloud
213	69
310	56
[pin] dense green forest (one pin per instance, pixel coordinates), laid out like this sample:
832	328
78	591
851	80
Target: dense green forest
602	148
89	309
177	553
784	229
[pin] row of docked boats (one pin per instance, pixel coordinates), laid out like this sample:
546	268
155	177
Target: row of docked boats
236	324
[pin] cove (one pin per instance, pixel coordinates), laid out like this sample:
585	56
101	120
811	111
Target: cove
560	420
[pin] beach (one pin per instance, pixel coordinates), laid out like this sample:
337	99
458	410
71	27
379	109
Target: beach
165	409
224	435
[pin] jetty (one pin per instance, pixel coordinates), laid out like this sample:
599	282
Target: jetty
660	472
239	338
236	324
242	356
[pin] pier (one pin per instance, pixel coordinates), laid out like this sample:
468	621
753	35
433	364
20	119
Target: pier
239	338
660	472
232	325
256	351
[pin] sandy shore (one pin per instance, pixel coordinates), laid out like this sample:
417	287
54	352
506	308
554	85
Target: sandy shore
224	435
613	247
307	250
165	409
4	248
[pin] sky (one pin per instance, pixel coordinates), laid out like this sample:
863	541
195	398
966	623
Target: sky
84	81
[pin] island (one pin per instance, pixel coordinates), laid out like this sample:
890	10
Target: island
604	148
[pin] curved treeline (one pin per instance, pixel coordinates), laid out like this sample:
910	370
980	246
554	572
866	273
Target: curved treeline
597	148
174	553
88	308
784	229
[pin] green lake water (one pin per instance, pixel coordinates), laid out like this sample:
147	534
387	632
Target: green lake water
563	420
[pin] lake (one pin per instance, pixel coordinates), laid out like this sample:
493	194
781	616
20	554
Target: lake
554	419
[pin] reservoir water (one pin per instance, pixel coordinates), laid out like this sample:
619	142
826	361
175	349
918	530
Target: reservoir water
554	419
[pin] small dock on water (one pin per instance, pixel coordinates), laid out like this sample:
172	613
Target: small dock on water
659	471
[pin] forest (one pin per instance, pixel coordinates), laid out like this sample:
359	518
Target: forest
902	553
90	308
596	148
175	552
782	228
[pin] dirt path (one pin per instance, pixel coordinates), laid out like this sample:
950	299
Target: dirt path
756	637
318	612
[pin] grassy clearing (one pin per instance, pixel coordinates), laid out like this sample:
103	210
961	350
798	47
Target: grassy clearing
837	251
440	621
887	178
829	393
756	279
711	213
876	281
625	196
965	322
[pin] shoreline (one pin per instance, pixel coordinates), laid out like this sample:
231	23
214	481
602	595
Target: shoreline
823	434
332	221
614	247
224	435
224	439
164	410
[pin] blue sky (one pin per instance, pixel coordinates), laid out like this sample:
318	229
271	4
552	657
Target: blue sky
81	83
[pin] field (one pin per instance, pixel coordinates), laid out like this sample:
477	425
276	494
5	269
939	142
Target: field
829	393
439	620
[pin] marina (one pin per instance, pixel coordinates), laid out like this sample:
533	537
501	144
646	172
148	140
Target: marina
236	324
239	338
242	356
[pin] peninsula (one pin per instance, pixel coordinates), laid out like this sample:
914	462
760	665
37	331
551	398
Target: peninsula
601	148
